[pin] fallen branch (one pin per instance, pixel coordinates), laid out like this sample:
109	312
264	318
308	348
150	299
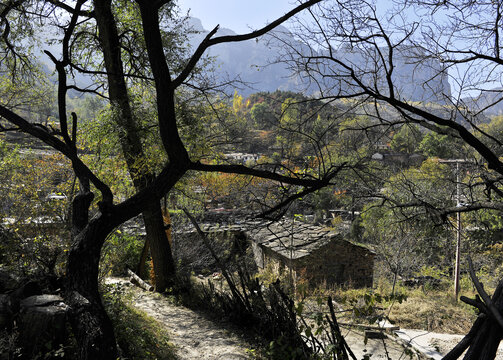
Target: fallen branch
336	331
220	264
460	348
138	281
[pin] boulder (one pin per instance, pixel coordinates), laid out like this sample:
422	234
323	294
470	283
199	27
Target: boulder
41	300
42	323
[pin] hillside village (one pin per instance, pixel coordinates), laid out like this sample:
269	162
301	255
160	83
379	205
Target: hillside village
227	208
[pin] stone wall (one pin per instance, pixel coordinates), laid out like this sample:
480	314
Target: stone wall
229	243
339	263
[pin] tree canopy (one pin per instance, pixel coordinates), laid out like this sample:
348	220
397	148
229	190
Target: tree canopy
120	43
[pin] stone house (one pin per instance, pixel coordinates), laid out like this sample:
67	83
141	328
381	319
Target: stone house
312	254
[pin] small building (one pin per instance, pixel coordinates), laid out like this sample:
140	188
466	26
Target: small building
399	159
242	158
312	254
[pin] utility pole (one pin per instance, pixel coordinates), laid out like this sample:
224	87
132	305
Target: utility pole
458	236
458	225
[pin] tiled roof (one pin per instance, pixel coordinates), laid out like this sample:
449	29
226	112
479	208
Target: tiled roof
293	239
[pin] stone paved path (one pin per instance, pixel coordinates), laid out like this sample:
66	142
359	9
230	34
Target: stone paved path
194	336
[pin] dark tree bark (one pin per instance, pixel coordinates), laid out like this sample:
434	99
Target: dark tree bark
486	333
91	325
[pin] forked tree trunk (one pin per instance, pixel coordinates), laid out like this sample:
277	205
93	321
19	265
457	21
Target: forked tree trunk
131	143
90	323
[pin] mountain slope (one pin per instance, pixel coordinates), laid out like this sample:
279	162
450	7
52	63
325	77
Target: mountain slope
259	63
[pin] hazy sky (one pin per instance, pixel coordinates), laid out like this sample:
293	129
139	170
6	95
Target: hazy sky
237	15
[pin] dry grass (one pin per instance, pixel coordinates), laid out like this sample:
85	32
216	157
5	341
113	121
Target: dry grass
424	308
433	311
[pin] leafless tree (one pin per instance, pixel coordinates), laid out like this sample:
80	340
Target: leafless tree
394	66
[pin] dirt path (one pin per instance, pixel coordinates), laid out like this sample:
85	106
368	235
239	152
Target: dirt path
194	336
197	337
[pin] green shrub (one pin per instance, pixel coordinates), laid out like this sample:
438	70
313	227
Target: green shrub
120	251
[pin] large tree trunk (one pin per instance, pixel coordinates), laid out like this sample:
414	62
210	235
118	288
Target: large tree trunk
91	325
160	249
